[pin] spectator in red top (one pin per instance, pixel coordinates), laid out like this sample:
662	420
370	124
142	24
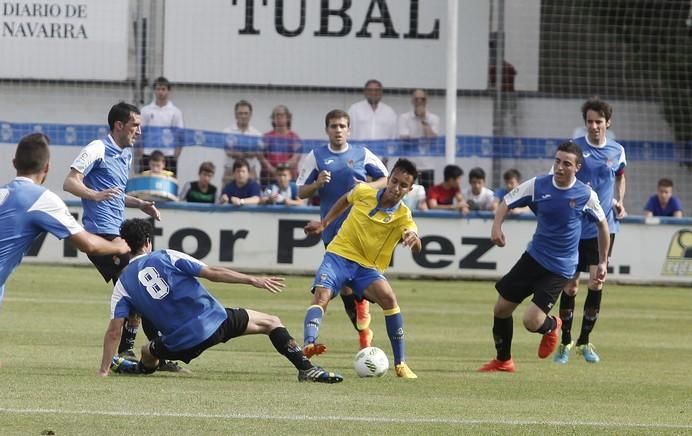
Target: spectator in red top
447	195
281	146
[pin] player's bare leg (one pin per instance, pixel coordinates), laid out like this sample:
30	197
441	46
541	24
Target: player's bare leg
382	293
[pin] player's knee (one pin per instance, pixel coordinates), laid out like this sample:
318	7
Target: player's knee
594	284
531	323
322	297
571	289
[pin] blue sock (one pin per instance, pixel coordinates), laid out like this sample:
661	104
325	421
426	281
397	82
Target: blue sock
395	331
311	325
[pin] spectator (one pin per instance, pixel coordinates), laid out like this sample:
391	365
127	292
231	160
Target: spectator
243	114
512	178
663	203
508	100
157	165
418	123
477	195
415	199
160	113
447	195
281	145
241	190
370	118
284	190
201	191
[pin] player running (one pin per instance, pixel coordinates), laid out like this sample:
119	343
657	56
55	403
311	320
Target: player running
603	169
331	171
357	261
560	202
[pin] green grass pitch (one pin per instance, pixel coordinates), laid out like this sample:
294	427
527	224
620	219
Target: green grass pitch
53	319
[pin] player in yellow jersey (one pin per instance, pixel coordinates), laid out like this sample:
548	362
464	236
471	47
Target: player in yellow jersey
361	251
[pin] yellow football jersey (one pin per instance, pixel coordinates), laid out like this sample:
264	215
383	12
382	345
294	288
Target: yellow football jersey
370	233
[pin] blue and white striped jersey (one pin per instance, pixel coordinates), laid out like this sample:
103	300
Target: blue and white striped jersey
599	168
347	167
104	165
163	288
27	210
559	212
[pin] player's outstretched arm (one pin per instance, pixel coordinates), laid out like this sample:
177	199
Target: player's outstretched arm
92	244
110	344
227	275
74	184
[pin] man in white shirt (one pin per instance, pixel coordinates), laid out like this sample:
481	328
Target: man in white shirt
246	146
161	113
370	118
419	123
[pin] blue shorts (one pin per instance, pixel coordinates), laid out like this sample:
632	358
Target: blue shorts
335	272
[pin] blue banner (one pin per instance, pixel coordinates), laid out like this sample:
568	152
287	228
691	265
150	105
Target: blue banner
466	146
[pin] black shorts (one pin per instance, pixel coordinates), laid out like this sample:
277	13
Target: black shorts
235	325
110	266
588	252
529	277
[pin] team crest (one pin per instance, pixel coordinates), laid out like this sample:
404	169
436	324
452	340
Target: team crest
350	163
573	203
323	277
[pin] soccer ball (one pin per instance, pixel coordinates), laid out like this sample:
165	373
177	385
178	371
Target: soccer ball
371	362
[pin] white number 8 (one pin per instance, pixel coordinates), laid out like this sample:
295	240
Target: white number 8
156	286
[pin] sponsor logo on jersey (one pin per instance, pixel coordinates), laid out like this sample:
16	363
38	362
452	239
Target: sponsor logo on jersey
328	161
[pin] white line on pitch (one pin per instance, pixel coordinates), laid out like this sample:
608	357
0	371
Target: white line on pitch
240	416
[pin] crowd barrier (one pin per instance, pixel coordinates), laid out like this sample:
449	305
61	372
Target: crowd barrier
271	239
480	146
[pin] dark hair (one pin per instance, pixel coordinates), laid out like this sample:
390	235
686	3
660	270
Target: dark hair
121	112
32	154
283	108
371	81
572	148
136	232
283	167
407	167
242	103
597	105
336	113
207	167
157	155
239	163
453	172
511	173
476	173
665	183
163	82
